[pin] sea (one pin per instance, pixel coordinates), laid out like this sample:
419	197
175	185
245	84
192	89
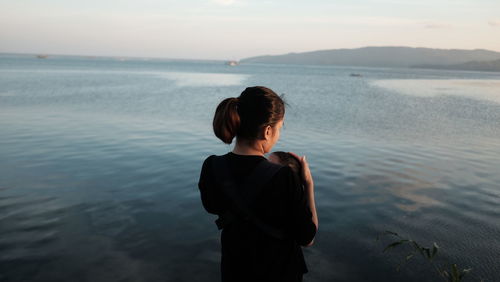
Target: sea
100	159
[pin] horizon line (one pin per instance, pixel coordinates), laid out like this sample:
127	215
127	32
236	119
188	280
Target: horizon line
262	55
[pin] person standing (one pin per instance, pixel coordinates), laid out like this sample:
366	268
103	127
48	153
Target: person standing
265	214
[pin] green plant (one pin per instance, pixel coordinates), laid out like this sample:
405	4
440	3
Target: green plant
450	274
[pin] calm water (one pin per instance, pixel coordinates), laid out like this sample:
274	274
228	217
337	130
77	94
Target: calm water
100	158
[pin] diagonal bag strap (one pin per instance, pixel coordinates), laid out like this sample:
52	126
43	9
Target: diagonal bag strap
242	199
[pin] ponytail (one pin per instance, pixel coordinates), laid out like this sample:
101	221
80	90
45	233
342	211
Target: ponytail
226	120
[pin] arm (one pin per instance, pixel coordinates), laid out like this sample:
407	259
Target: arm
210	196
309	190
309	187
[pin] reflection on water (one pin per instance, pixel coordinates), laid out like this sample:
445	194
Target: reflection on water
205	79
471	88
99	162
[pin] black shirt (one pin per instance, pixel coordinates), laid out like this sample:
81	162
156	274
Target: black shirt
248	253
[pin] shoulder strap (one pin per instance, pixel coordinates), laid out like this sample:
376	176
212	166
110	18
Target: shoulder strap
243	198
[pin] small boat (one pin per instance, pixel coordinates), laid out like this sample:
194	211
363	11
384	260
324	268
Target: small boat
232	63
355	75
42	56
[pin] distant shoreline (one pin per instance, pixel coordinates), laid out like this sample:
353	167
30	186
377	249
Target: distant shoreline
372	57
126	58
400	57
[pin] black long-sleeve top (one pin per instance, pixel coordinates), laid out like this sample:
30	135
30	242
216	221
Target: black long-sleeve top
248	253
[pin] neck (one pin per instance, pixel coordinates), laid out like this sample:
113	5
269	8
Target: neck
247	148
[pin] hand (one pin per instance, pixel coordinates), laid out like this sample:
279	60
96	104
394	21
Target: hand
306	172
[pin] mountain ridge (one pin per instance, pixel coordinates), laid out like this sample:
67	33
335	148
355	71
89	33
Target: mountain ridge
380	56
493	66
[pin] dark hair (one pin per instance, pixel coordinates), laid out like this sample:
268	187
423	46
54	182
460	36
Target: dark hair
291	161
256	107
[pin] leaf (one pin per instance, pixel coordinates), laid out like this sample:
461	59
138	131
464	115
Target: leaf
464	272
408	257
435	248
387	232
454	272
391	233
394	244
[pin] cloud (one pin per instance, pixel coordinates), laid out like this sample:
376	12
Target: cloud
224	2
494	23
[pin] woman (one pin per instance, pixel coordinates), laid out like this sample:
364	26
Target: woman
263	225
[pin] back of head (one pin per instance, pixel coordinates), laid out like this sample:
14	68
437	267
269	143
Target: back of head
289	160
246	115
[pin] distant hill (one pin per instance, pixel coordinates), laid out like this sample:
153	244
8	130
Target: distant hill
474	66
380	57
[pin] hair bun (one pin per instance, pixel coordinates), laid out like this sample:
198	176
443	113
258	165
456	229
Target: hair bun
227	120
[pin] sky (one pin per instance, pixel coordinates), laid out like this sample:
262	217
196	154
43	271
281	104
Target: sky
236	29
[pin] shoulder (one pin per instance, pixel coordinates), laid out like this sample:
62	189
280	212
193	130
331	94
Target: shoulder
267	165
208	160
284	176
213	161
284	171
207	166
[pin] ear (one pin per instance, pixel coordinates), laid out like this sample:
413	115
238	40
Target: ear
268	132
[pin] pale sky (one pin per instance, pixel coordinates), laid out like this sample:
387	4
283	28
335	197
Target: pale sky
235	29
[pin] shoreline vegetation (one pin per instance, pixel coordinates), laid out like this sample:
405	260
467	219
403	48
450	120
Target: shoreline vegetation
448	272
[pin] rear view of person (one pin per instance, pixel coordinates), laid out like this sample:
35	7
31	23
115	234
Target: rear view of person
264	212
